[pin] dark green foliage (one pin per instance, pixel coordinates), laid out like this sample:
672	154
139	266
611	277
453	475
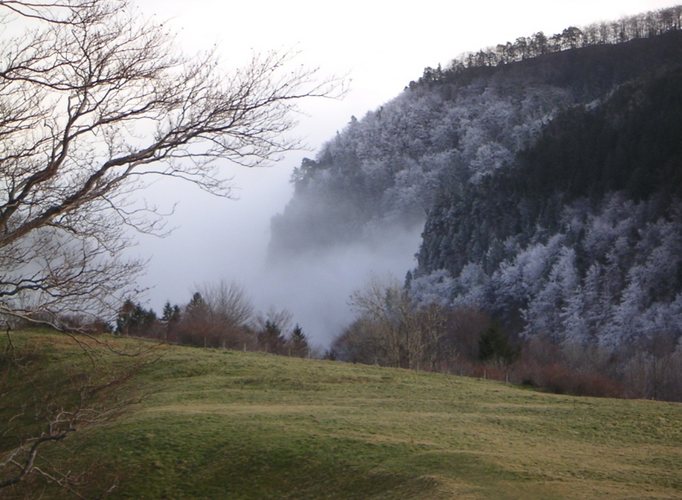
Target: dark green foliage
538	46
632	143
171	317
197	302
494	345
298	343
171	313
550	173
270	338
133	319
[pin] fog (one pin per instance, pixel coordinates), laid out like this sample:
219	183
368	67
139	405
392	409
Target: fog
378	47
216	238
315	286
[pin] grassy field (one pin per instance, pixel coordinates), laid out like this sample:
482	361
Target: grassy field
223	424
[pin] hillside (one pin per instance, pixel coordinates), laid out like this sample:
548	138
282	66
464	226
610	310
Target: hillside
454	128
546	176
218	423
581	233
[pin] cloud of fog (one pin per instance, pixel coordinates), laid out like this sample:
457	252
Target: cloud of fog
216	239
316	286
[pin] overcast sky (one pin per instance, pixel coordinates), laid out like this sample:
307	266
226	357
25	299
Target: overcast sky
380	46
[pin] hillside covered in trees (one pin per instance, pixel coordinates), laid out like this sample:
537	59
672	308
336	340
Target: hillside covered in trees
461	124
547	174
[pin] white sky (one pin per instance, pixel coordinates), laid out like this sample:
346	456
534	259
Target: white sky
380	45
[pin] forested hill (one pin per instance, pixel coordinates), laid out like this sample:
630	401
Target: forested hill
581	237
386	168
547	173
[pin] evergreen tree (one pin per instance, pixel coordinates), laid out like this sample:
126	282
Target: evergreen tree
270	338
171	316
167	313
494	345
133	319
298	343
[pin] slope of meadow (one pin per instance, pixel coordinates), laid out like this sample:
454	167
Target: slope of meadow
219	424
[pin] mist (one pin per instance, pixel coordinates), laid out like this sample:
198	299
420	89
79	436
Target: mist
316	285
215	239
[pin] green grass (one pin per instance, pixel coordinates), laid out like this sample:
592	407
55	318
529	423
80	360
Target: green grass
223	424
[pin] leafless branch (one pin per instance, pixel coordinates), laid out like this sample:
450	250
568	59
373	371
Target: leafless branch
86	397
93	102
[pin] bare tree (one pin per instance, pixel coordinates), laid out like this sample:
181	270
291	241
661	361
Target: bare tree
224	317
397	330
48	10
94	101
228	303
408	335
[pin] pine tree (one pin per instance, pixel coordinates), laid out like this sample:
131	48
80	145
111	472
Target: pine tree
133	319
270	338
298	343
494	345
167	312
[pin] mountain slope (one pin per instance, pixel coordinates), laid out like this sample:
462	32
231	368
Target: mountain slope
216	423
548	187
594	207
453	126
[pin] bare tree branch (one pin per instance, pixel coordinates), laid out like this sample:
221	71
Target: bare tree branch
87	396
93	102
